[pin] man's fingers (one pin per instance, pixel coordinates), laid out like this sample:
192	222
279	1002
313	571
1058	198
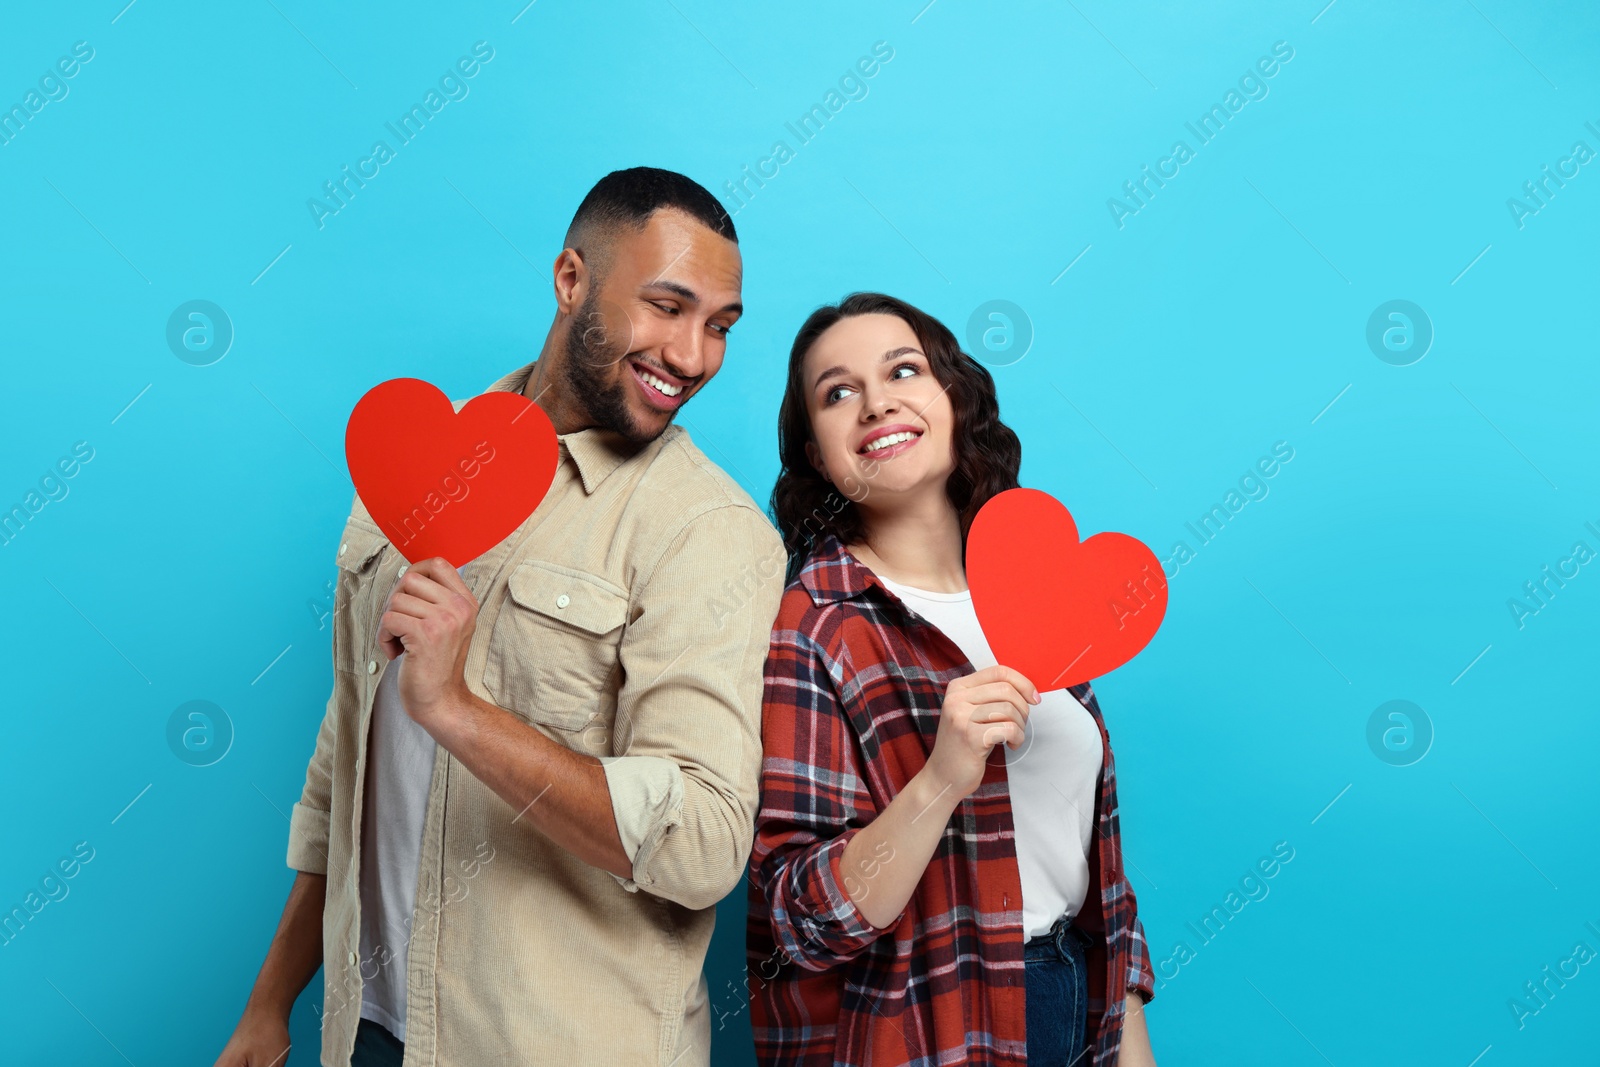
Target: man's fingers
424	585
438	568
392	628
407	604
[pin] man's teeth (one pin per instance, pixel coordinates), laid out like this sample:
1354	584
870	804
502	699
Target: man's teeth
891	439
669	390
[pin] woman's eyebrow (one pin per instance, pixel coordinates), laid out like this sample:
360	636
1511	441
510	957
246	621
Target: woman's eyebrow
839	371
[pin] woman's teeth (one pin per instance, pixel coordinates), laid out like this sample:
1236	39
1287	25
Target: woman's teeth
669	390
891	439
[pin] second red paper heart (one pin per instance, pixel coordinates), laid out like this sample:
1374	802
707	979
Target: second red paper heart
1059	610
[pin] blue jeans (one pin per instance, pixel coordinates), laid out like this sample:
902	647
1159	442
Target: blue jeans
1058	997
376	1046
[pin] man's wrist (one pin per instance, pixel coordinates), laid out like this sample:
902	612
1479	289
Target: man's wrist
455	719
271	1005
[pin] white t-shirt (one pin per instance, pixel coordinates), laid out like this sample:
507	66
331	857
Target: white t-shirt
399	777
1053	777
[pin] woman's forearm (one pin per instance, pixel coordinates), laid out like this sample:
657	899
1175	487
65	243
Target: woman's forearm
884	861
1136	1051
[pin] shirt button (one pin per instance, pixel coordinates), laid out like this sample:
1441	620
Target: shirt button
344	547
403	568
352	959
563	600
372	666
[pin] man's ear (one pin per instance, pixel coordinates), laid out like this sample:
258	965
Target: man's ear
571	280
814	455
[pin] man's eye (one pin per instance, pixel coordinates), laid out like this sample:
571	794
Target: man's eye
668	308
720	328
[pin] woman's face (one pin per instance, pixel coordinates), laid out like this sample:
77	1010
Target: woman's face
882	426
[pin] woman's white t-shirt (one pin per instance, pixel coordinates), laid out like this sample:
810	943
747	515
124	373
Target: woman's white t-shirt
1053	777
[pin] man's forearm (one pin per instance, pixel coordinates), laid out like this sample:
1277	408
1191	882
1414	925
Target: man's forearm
296	950
560	792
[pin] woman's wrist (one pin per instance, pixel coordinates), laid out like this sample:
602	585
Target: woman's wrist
931	794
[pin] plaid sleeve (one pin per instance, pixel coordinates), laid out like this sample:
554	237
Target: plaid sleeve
813	801
1124	915
1140	975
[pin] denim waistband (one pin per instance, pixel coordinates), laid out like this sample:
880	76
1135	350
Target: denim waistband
1062	937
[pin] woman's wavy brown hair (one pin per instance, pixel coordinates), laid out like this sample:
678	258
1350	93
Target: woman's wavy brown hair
806	508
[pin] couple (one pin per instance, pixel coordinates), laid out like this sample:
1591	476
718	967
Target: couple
570	748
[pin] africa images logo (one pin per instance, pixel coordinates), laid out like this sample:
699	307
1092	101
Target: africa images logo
452	86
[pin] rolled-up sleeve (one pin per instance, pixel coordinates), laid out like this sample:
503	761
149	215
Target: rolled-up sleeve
813	801
1141	976
309	819
684	785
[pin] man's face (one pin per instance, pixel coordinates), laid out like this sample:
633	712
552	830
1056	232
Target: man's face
655	331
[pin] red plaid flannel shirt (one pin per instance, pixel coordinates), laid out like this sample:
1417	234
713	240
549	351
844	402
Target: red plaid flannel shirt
854	685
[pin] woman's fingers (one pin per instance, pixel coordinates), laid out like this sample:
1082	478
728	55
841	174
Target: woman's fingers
996	693
1008	732
987	715
1002	673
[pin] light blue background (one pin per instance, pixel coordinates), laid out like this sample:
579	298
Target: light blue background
1227	315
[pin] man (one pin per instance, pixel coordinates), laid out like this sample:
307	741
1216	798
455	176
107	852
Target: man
559	778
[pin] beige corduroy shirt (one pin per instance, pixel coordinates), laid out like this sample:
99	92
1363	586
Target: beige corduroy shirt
628	617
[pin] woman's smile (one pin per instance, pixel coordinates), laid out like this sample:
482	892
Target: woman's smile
887	441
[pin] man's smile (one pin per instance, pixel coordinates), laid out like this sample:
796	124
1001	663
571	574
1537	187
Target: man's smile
662	391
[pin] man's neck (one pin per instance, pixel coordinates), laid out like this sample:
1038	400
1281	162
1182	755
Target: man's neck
545	388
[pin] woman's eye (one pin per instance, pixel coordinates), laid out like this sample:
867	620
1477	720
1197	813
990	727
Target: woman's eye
836	394
912	367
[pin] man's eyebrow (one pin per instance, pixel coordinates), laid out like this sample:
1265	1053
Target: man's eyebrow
893	353
690	295
676	289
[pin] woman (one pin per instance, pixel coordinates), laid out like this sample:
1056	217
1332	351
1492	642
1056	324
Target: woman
917	895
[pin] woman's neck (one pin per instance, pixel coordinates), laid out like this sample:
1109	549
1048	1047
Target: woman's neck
919	546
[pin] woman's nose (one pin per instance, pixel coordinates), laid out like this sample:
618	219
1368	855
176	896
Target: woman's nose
880	404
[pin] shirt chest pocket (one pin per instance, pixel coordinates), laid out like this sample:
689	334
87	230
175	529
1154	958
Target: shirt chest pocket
552	657
358	560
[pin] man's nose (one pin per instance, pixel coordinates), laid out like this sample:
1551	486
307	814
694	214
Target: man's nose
684	351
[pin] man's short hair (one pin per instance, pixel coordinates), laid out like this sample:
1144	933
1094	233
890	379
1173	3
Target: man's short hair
627	199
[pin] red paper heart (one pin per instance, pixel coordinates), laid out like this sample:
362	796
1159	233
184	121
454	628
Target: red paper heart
441	482
1059	610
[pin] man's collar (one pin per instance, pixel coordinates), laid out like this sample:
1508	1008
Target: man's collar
596	451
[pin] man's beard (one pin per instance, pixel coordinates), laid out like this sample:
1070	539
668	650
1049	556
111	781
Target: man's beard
589	354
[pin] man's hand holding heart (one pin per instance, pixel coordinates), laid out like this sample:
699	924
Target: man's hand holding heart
431	616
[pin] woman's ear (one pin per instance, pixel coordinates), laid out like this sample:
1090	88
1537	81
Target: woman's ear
815	456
